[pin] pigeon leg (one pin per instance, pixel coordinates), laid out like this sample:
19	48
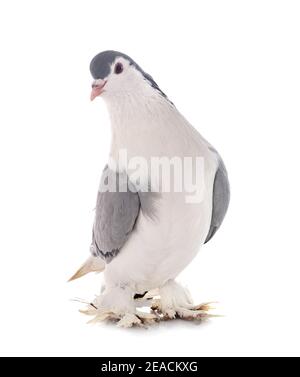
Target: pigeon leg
117	304
175	302
146	299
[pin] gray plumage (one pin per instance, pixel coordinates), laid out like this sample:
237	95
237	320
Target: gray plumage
100	67
117	211
159	232
221	197
116	214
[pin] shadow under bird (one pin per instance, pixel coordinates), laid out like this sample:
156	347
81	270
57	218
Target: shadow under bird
144	235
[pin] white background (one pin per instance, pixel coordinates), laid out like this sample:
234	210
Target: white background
233	69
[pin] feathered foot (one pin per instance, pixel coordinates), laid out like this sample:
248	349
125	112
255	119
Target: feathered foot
146	299
118	306
125	320
139	319
175	302
169	302
188	312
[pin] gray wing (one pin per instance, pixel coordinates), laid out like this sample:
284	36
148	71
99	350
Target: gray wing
221	197
116	215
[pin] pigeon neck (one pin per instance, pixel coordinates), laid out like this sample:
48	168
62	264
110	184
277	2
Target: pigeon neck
132	115
144	126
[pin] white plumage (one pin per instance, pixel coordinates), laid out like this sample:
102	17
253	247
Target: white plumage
146	124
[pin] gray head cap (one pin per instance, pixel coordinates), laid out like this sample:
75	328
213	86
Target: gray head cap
101	64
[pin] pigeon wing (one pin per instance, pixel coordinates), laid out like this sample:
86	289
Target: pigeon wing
117	210
221	197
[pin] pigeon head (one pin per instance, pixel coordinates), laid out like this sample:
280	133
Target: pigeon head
116	74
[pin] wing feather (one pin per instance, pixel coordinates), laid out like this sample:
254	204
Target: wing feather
221	198
116	215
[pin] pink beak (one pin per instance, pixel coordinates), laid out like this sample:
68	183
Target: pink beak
97	88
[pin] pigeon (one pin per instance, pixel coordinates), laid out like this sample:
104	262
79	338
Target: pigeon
164	193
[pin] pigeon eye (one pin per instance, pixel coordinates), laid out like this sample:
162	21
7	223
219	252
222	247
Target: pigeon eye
118	68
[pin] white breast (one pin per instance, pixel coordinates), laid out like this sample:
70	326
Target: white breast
160	248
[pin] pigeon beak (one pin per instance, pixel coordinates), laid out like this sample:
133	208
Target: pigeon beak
97	88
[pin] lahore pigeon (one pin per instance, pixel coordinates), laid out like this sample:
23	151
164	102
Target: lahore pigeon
163	194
